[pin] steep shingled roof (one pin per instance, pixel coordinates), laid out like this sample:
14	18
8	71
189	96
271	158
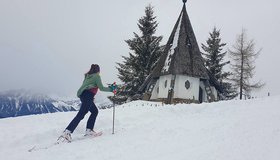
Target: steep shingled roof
181	54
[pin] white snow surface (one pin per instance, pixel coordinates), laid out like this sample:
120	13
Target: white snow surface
230	130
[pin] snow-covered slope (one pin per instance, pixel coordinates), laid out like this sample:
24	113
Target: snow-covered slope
232	130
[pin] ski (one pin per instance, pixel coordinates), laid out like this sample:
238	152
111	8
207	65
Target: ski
97	134
36	148
60	141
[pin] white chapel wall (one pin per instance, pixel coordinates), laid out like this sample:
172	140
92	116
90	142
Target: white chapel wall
164	86
204	96
154	95
180	91
214	91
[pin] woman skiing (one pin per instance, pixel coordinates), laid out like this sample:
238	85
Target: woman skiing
86	93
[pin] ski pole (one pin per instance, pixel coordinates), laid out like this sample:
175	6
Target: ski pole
114	91
113	116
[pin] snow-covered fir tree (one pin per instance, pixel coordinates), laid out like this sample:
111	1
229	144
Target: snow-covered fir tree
244	55
145	51
214	62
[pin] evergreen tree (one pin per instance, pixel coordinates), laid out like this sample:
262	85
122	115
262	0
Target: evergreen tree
244	56
145	51
214	57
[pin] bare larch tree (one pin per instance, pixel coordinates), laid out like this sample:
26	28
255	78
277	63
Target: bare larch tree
243	57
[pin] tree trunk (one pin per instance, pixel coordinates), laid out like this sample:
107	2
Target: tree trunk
242	65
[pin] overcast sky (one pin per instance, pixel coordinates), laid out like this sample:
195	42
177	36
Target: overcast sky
49	44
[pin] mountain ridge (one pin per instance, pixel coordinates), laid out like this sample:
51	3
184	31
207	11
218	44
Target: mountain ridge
22	102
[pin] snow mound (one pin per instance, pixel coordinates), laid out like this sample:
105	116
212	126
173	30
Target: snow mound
230	130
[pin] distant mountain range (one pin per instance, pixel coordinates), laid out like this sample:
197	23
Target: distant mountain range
22	102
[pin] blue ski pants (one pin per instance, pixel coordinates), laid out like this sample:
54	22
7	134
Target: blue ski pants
87	105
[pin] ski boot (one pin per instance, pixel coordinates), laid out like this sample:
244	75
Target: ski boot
65	137
90	132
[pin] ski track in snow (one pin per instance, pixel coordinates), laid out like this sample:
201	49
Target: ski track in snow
232	130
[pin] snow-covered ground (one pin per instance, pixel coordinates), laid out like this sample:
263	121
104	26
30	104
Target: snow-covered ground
232	130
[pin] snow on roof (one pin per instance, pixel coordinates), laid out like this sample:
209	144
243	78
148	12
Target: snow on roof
173	47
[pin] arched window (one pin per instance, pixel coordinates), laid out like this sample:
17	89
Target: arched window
165	83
